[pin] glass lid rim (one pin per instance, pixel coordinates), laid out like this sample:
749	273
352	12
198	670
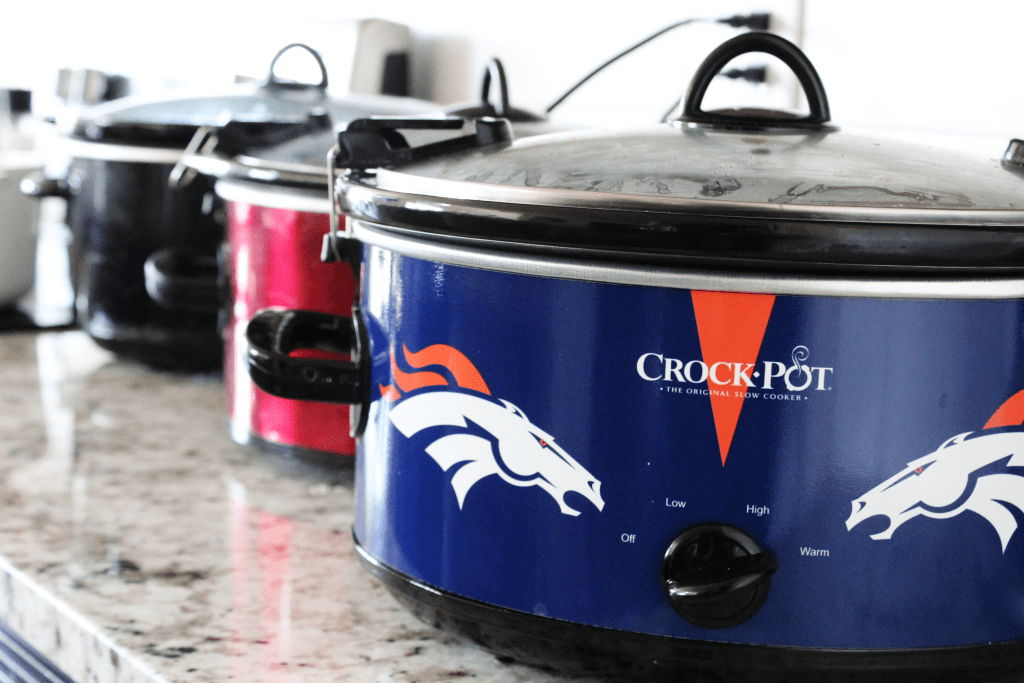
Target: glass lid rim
452	192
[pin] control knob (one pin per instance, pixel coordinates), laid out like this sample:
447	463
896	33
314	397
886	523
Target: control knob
716	576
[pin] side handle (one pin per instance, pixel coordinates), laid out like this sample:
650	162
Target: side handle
274	333
37	185
183	280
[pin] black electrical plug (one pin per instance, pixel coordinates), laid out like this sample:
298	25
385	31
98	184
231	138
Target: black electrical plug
759	21
752	74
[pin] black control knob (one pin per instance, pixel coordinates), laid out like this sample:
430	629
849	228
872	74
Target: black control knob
716	576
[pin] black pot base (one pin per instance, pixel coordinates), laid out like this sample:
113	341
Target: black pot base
311	456
578	649
162	349
12	319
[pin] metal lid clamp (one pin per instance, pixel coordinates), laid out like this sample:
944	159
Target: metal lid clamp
376	142
202	143
221	143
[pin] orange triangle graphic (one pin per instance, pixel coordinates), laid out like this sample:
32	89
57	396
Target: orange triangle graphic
1010	413
731	328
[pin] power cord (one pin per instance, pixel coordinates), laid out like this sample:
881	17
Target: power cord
756	22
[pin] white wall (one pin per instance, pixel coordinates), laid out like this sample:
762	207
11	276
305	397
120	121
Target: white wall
900	63
949	65
545	46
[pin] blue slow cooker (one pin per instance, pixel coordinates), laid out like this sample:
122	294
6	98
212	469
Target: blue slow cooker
736	397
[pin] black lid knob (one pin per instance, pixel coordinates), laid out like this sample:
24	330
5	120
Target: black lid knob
499	108
768	43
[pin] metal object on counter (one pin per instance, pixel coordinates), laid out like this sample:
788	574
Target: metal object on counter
19	216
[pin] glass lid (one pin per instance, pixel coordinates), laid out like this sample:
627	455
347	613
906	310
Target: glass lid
744	188
303	159
172	121
700	167
729	160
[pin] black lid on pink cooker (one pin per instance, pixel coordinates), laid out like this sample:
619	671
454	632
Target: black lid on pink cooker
302	161
730	188
294	174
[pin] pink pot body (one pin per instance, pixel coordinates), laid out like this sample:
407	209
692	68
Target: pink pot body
274	262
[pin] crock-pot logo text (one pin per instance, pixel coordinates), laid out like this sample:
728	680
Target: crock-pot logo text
980	472
730	328
494	437
768	375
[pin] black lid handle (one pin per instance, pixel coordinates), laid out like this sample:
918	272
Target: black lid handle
768	43
274	81
495	72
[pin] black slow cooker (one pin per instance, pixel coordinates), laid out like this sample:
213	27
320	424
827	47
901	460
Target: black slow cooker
738	397
126	217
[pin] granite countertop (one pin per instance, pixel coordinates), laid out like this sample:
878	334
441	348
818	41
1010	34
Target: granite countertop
138	542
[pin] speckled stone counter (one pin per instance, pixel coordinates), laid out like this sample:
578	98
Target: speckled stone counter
139	543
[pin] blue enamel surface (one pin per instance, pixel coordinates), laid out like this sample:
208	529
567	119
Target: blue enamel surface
907	375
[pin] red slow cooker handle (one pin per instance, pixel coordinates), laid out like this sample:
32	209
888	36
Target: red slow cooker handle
275	333
771	44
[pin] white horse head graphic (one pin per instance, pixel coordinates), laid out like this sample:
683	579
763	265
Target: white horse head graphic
965	473
515	449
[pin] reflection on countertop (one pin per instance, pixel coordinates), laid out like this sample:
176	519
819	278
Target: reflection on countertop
139	543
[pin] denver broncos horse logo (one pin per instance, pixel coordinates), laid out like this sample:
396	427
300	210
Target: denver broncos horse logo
967	472
499	438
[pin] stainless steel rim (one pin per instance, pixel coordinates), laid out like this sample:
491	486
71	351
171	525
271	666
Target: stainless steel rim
109	152
259	171
453	191
273	197
690	279
317	173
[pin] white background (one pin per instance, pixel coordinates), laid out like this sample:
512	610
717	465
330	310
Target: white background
950	67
